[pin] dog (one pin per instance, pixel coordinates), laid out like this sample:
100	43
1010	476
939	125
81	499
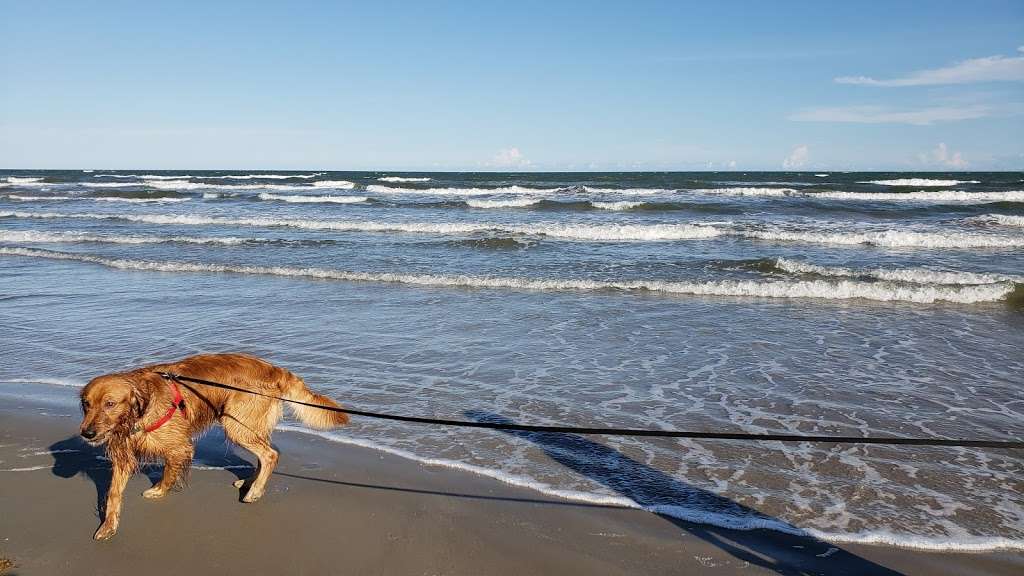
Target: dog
143	415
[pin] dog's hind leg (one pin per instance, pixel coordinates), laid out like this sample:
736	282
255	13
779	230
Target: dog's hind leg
176	462
255	439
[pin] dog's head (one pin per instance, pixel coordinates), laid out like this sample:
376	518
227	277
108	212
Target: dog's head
110	404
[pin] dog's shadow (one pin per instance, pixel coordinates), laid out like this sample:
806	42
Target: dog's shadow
74	457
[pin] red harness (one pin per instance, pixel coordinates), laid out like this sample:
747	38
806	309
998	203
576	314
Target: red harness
177	404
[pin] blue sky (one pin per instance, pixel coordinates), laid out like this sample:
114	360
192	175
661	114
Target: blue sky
513	86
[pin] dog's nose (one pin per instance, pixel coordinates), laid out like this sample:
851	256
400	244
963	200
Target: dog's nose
88	434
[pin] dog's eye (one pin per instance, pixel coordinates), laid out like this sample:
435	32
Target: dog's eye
109	404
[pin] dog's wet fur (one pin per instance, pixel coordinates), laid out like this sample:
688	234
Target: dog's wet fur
118	407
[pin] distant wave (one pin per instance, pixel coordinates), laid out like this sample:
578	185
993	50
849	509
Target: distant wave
620	205
459	191
747	191
155	200
999	220
910	275
112	184
586	232
511	203
31	236
207	177
818	289
889	238
313	199
339	184
264	176
920	182
933	196
38	198
132	200
401	179
23	179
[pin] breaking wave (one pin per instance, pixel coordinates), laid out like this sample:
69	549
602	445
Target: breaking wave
925	196
459	191
817	289
909	275
64	237
588	232
999	220
313	199
339	184
402	179
920	182
511	203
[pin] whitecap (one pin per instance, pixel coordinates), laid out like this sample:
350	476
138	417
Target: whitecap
510	203
313	199
402	179
920	182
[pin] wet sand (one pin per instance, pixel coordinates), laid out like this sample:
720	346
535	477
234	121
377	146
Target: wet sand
338	509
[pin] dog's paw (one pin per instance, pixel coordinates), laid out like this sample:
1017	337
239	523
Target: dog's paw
105	531
154	493
251	496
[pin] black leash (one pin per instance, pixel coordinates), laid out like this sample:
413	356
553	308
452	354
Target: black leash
622	431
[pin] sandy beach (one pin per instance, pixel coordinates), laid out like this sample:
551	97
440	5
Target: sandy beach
338	509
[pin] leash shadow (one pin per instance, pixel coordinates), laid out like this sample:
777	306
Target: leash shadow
782	553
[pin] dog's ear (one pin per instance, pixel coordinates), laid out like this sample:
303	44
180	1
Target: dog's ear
142	384
140	402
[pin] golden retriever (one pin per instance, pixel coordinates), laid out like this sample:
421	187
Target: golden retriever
131	412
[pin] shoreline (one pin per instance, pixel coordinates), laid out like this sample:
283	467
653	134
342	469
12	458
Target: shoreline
382	513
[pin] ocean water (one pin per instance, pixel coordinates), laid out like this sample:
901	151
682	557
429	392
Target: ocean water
840	303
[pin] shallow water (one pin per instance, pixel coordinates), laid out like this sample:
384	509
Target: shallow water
871	304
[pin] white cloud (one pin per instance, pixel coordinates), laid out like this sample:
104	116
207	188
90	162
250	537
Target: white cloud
941	156
797	158
987	69
881	115
509	158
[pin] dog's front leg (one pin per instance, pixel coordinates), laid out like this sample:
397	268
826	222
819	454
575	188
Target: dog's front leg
112	513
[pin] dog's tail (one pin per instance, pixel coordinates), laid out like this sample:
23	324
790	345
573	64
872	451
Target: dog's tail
292	387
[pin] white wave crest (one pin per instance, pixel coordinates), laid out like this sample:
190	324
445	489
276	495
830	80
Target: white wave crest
938	196
24	179
313	199
338	184
31	236
920	182
263	176
888	238
620	205
459	191
510	203
747	191
819	289
38	198
156	200
999	220
402	179
142	176
920	196
910	275
587	232
112	184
